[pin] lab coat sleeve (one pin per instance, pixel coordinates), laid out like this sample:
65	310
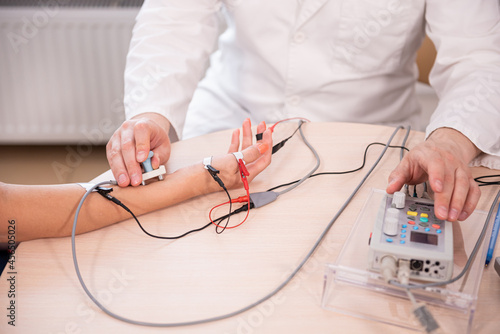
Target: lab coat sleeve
169	52
466	74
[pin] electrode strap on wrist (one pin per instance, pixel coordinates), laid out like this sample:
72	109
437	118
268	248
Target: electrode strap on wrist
207	164
87	186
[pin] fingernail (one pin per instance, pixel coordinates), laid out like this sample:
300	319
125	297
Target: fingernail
443	211
439	186
155	164
463	215
453	214
141	156
262	147
122	179
135	179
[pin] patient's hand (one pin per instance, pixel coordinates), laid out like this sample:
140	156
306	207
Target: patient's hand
257	157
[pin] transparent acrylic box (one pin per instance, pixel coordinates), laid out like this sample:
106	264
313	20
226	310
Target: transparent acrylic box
350	288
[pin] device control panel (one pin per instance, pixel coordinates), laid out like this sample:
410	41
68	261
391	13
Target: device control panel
407	229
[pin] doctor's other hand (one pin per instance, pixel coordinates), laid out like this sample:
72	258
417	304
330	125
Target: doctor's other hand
131	143
442	160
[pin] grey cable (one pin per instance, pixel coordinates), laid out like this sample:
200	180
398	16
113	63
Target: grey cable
401	153
318	161
412	298
469	260
244	309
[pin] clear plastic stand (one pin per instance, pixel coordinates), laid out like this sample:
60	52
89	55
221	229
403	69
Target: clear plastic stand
349	287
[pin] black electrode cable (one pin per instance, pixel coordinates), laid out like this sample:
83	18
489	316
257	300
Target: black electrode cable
228	215
282	143
482	182
241	310
279	145
315	168
213	173
105	193
342	172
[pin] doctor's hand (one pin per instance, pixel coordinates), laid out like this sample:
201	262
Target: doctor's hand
442	160
131	143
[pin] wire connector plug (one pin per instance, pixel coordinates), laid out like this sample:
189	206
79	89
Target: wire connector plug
104	192
404	271
426	319
262	198
388	268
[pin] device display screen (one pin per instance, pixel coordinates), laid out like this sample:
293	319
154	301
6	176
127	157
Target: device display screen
424	238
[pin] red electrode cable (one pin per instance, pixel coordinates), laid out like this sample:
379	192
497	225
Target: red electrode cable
243	175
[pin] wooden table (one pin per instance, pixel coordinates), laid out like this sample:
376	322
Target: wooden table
205	274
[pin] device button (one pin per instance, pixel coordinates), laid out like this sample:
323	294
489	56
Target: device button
403	230
415	227
391	222
412	213
427	229
403	235
424	220
389	240
438	231
404	226
402	242
411	223
423	224
424	215
436	226
398	200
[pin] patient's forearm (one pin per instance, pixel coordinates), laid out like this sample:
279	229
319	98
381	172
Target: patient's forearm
48	211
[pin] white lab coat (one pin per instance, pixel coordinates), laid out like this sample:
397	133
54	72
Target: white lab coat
337	60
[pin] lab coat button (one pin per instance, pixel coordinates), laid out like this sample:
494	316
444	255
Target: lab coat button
299	37
294	100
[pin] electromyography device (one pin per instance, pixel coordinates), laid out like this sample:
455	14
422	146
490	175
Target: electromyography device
406	230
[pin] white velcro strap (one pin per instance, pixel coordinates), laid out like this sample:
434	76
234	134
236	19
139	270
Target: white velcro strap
207	161
239	156
86	186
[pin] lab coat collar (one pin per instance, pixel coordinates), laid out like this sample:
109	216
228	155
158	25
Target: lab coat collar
309	8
